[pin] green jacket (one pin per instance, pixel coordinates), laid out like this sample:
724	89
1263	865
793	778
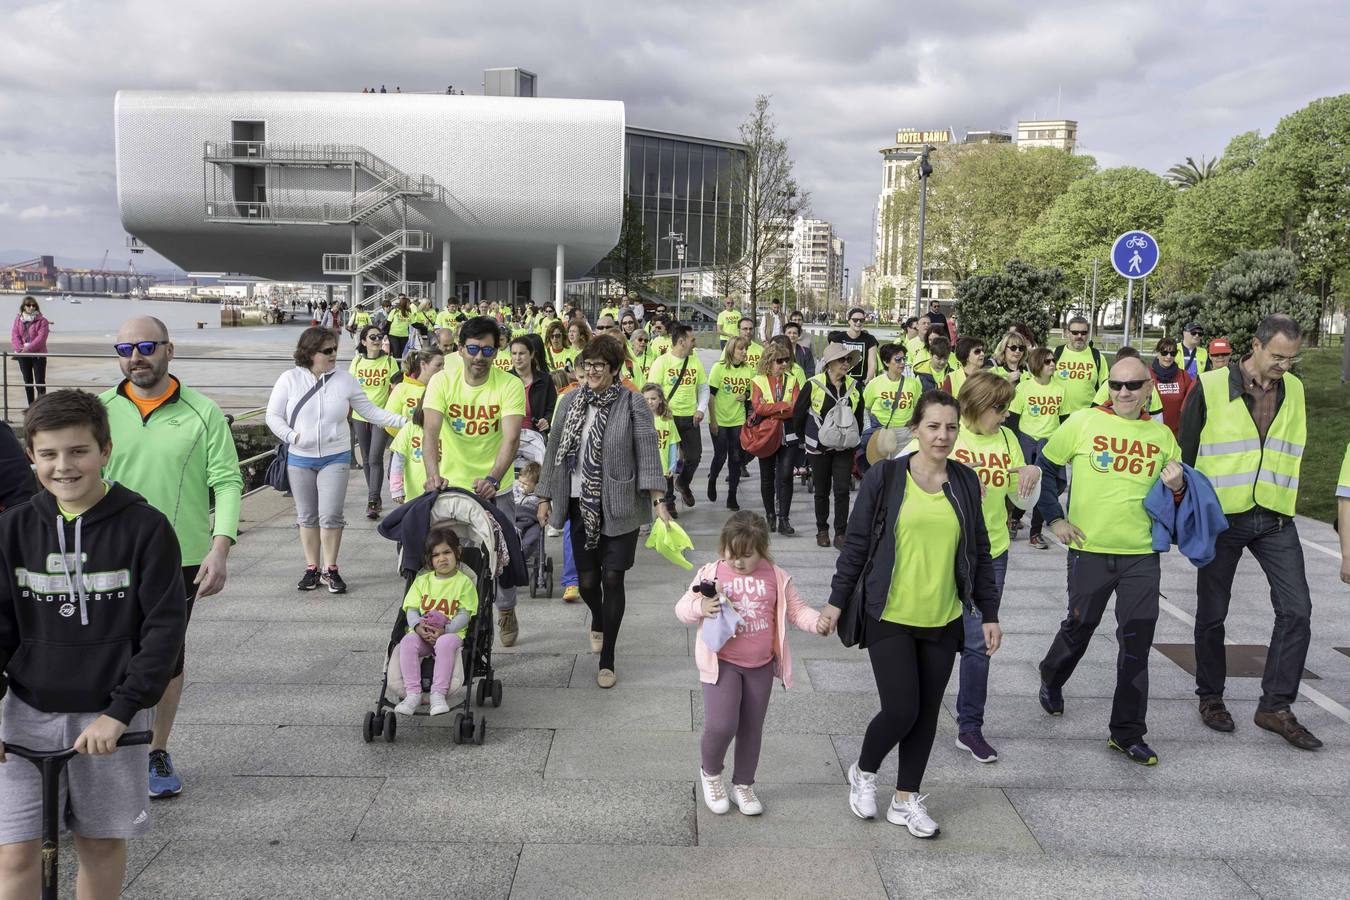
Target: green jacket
175	458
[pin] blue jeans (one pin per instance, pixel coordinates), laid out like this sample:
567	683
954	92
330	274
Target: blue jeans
569	576
975	661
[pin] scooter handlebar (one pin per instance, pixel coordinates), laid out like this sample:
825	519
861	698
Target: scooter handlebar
129	739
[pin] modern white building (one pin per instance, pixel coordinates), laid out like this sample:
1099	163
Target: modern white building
1061	134
817	268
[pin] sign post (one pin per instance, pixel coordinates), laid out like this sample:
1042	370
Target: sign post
1133	255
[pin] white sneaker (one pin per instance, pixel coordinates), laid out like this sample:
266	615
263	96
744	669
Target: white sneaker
913	815
409	704
714	793
862	792
439	706
746	801
553	532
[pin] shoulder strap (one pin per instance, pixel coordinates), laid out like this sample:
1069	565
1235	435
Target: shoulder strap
879	522
676	386
1059	351
318	386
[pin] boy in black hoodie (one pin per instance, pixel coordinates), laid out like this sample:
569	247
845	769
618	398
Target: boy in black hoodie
92	614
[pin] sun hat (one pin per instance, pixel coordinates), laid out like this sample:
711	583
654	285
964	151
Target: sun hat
836	351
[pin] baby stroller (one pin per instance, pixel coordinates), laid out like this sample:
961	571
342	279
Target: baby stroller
532	449
482	552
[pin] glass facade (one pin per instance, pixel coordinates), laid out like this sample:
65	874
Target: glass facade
682	184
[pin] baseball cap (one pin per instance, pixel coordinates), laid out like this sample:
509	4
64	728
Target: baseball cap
1193	326
1219	345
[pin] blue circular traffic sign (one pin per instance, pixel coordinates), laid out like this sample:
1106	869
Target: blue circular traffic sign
1134	254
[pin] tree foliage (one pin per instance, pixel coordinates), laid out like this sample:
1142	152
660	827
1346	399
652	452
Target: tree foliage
631	262
1190	173
1209	222
1248	287
987	304
981	198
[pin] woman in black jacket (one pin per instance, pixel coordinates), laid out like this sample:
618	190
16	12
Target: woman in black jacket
928	561
541	396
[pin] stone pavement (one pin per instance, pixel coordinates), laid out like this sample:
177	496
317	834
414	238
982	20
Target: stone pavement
582	792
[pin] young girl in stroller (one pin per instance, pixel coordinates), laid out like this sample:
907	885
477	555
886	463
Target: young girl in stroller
438	606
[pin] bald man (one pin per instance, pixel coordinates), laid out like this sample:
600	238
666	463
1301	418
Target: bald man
173	446
1117	453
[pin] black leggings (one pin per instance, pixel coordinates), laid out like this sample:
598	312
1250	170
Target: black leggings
372	439
831	469
396	345
603	593
727	449
911	673
775	482
34	372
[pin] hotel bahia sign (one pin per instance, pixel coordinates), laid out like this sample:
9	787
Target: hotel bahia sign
908	136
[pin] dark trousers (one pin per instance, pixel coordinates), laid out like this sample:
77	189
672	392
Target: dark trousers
397	346
726	449
775	483
34	372
1273	540
830	473
911	673
974	690
1093	578
691	442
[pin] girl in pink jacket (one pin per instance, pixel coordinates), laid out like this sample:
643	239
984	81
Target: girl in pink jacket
742	604
29	335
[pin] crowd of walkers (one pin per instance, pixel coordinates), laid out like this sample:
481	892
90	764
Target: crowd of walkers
946	444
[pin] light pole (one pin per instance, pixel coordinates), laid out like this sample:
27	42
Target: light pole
843	300
924	171
677	241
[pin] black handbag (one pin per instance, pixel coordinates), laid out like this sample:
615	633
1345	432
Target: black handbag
277	476
852	618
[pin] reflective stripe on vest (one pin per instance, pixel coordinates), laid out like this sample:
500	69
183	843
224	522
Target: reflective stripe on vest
1245	472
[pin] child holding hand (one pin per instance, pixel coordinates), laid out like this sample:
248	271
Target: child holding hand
438	606
742	604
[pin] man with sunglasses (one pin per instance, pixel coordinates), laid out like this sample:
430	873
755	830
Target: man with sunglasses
1080	368
856	338
1116	453
728	322
1245	427
1194	358
477	410
174	447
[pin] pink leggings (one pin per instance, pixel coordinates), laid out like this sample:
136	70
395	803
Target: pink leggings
735	707
412	650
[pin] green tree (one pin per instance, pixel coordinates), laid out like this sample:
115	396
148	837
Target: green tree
632	261
1081	224
1241	153
1178	309
1209	223
981	198
1250	286
1190	173
987	304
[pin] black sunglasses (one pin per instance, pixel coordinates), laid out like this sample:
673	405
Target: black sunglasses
1018	347
1078	333
328	351
1126	385
145	348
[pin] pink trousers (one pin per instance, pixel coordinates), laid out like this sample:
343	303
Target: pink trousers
412	650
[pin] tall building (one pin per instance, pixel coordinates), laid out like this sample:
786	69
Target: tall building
1061	134
817	261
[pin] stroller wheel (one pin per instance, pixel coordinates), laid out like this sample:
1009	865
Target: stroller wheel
480	692
458	729
496	693
390	726
368	727
534	588
480	733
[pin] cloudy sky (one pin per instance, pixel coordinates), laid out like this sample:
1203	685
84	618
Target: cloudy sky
1149	82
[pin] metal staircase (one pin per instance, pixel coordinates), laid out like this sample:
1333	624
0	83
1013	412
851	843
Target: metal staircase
361	214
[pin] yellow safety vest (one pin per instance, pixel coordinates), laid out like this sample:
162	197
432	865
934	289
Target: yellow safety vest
1245	472
818	389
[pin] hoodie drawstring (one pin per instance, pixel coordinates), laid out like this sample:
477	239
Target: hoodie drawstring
77	582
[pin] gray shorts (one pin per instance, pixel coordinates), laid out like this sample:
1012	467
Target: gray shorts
101	796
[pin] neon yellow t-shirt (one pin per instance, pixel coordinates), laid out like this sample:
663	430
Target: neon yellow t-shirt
1154	406
408	444
1115	463
913	346
429	592
996	459
891	403
472	430
666	372
660	345
403	397
1077	370
561	359
753	354
445	319
732	384
1039	406
923	580
667	439
1343	483
373	375
729	323
398	323
71	517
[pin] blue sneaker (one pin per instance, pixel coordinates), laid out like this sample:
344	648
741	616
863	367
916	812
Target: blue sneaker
1052	700
1137	752
164	781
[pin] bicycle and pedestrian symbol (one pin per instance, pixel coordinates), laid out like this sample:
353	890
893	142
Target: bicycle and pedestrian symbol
1134	254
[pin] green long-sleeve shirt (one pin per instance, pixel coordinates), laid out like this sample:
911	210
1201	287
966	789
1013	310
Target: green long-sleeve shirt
175	458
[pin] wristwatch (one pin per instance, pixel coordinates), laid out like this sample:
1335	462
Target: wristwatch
494	481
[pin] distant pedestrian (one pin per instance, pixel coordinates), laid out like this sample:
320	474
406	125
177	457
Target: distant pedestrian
859	339
29	335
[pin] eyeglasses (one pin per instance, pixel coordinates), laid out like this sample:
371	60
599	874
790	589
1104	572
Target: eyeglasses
145	348
329	351
781	361
1126	385
1017	347
483	350
639	340
1167	353
857	321
1001	408
595	365
1196	333
1078	333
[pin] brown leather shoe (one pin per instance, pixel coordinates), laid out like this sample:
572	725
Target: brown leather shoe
1214	714
839	541
822	539
1286	726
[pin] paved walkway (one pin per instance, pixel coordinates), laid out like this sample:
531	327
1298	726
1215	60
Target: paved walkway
581	792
